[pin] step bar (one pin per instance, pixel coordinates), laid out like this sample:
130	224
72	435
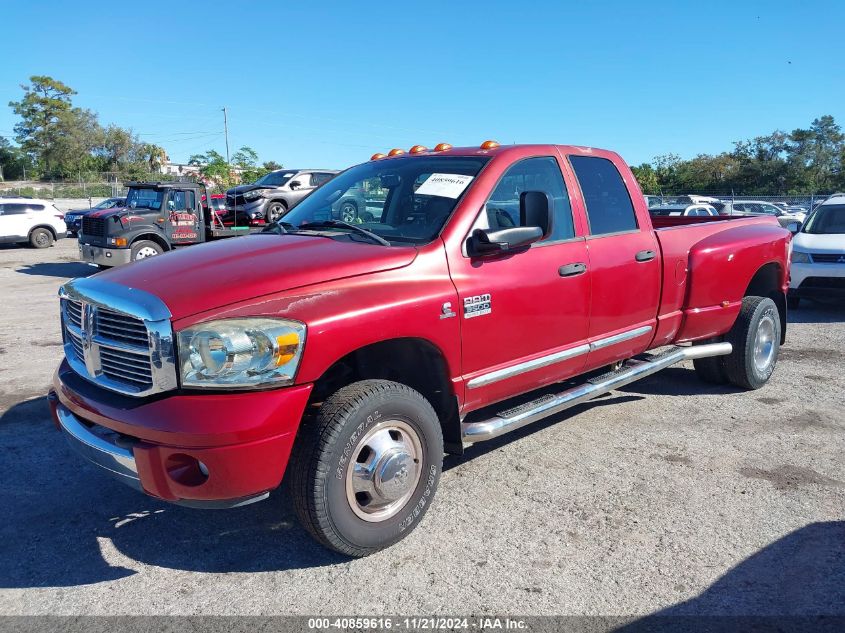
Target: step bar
631	371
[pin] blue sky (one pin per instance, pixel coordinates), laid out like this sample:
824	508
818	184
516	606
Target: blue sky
326	84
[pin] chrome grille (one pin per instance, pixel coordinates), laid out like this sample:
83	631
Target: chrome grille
117	337
74	312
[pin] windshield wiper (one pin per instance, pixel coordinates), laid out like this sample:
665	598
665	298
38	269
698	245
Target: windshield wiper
340	224
279	228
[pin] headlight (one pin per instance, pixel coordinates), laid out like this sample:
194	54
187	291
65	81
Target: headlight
238	353
254	194
799	257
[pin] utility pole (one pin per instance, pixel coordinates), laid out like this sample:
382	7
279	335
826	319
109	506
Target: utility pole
226	131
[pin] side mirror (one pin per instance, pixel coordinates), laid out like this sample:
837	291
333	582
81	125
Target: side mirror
295	184
793	227
535	209
483	242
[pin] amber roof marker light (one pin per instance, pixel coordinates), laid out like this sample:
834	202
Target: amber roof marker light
489	145
442	147
395	152
418	149
377	155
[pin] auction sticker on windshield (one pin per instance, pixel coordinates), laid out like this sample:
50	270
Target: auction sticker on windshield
444	185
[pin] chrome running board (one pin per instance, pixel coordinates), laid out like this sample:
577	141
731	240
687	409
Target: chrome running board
633	370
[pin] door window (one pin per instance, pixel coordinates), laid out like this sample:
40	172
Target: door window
321	179
304	180
609	207
177	201
533	174
10	208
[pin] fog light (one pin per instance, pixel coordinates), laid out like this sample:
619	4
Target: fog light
108	254
186	470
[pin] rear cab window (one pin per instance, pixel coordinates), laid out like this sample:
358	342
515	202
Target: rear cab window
608	203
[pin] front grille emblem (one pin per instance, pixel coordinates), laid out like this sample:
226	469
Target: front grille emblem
89	316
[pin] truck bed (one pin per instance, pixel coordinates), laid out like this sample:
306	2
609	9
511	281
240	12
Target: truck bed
708	264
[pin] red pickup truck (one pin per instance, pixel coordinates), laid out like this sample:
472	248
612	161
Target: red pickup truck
496	286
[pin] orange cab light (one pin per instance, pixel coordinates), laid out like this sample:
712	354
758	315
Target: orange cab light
377	155
395	152
442	147
489	145
418	149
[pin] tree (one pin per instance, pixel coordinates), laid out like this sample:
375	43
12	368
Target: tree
647	178
154	156
15	164
45	100
214	171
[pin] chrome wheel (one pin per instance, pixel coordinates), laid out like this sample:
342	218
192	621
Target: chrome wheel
348	212
384	470
147	251
764	343
274	212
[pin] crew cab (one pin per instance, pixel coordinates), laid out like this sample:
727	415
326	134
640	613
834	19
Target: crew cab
156	217
498	286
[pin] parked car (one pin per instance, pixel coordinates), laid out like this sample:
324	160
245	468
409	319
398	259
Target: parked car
28	220
760	207
818	254
272	195
364	351
684	210
73	218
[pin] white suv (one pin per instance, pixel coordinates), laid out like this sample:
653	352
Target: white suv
27	220
818	253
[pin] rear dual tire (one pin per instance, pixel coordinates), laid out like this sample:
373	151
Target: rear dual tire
366	468
755	338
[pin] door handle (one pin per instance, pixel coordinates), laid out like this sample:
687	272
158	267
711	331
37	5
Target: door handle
570	270
645	256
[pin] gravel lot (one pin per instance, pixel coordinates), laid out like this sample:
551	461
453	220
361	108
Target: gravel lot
670	496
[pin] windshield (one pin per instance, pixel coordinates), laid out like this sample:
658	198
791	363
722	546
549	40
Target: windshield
404	199
275	178
144	199
828	219
105	204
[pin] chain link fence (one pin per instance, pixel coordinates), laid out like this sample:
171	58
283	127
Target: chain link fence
102	185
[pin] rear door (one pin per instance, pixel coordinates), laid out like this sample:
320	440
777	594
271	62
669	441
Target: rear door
624	262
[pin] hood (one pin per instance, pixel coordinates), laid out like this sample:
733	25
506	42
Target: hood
107	213
208	276
240	189
811	243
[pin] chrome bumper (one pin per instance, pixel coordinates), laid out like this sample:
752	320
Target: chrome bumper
119	461
104	256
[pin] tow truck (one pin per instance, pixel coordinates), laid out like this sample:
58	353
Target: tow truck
157	217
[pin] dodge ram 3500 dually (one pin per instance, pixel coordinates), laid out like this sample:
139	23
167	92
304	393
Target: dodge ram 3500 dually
500	285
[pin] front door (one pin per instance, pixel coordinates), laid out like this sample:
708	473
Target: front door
300	185
184	217
624	260
523	315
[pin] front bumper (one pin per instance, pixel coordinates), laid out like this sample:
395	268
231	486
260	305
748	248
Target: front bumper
104	256
817	280
204	450
253	209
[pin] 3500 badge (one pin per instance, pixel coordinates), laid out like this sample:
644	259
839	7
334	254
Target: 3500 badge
477	306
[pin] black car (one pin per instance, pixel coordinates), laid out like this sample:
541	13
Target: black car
73	218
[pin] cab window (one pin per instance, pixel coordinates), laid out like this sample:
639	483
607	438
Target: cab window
177	201
609	206
532	174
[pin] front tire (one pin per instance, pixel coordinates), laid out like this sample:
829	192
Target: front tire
275	210
349	211
756	344
41	238
144	250
365	471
